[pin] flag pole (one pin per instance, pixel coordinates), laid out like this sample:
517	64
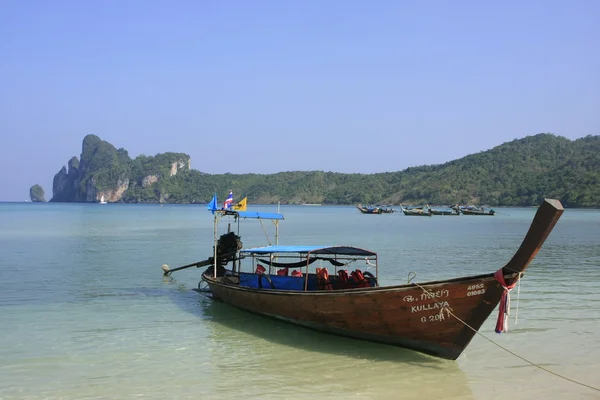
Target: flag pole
215	246
277	225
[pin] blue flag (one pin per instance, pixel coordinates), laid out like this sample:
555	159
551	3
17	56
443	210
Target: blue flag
212	206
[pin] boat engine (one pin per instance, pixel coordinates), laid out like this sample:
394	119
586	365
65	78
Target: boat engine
227	247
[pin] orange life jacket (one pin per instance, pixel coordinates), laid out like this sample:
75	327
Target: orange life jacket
344	279
323	279
283	272
260	269
359	279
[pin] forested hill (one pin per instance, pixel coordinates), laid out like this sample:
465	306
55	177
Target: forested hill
517	173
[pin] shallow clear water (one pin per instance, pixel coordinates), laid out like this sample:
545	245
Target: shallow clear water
85	312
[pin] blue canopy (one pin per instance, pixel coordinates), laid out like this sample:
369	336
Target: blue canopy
259	215
252	214
339	250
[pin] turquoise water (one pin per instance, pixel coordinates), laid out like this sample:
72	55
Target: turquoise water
85	312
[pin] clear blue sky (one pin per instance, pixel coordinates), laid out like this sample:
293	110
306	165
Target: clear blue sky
269	86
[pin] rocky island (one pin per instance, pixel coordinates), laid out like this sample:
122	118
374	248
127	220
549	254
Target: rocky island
36	194
103	170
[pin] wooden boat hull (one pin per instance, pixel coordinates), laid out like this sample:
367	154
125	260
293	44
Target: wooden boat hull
438	212
417	214
365	210
405	316
375	210
471	212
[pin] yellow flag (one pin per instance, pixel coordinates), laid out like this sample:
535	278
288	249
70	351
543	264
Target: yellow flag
241	206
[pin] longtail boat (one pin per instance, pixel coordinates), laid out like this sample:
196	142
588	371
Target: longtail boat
369	209
449	211
375	209
438	318
476	211
420	211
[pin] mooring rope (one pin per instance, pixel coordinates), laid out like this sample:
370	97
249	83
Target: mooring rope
518	297
504	308
411	275
449	312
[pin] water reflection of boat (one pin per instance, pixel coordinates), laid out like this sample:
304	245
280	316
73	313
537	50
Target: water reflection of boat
438	318
268	346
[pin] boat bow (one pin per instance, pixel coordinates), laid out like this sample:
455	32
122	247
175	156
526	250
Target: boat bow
543	222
